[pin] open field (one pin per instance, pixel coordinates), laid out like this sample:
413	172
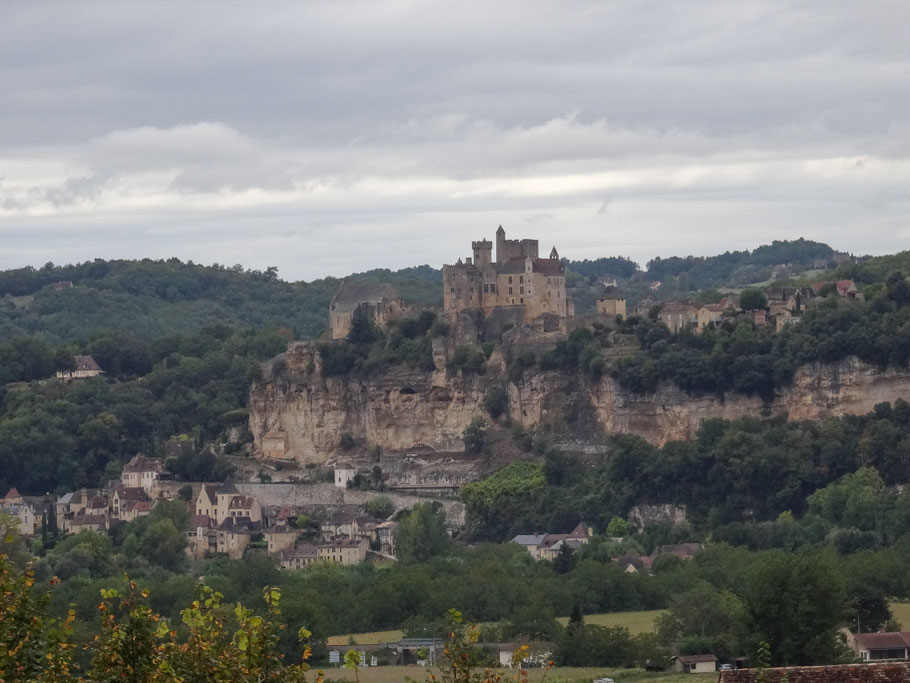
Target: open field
636	622
398	674
901	612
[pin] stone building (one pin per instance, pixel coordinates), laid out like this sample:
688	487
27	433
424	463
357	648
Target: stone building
379	302
83	367
611	302
517	277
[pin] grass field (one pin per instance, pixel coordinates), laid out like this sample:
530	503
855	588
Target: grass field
398	674
636	622
901	612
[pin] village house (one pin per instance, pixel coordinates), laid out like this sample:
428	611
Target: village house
124	500
684	551
346	551
73	503
871	647
298	557
709	315
83	368
201	538
280	537
28	518
343	474
548	546
221	501
633	564
379	302
142	472
695	664
234	535
518	277
385	534
339	524
678	316
611	302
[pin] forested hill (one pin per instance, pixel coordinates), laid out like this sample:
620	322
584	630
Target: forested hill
153	299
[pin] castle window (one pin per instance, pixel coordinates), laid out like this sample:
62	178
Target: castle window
522	300
486	289
549	294
452	290
521	290
492	288
521	279
510	291
510	279
513	301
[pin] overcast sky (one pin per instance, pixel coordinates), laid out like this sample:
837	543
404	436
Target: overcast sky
327	138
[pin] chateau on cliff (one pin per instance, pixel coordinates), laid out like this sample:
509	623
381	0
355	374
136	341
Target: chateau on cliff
517	277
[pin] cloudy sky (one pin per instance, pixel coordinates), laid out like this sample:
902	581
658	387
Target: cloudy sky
326	138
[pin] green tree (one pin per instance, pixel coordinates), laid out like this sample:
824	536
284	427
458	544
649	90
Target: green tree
422	533
496	401
752	300
796	604
475	435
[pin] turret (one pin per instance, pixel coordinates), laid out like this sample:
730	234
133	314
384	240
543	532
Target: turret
554	255
500	244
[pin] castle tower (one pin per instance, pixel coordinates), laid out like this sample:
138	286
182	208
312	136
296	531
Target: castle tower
554	255
500	245
483	253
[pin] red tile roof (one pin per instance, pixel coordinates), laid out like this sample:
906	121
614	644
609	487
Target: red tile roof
890	672
883	641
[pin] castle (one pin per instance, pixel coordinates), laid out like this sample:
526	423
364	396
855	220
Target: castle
518	277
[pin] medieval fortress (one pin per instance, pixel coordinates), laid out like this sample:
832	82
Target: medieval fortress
514	280
516	277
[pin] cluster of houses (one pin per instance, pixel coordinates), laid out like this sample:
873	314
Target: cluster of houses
546	546
785	306
223	520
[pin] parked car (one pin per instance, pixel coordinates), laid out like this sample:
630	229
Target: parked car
726	667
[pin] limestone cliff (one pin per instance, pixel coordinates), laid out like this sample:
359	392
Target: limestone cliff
296	413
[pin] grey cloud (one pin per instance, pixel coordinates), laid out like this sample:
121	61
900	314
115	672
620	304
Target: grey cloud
402	129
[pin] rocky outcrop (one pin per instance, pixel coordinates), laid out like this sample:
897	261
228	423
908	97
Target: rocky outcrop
307	414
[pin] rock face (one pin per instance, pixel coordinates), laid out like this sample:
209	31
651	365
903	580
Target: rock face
405	409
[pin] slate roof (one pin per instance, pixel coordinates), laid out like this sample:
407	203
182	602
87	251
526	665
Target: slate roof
516	266
696	659
529	539
86	363
141	463
350	295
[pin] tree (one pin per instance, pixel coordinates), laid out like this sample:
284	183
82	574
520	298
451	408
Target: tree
752	299
796	604
707	615
422	533
475	435
380	507
363	328
618	527
496	401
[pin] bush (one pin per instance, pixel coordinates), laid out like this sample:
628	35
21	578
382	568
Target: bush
475	435
496	401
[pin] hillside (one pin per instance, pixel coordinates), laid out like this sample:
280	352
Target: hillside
154	299
151	299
